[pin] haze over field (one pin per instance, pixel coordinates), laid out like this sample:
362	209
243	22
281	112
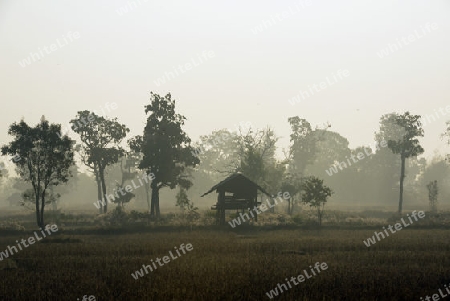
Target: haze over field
265	53
224	150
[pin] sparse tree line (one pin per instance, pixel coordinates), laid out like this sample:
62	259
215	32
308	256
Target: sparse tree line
47	159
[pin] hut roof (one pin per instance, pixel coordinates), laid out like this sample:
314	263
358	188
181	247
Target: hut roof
235	182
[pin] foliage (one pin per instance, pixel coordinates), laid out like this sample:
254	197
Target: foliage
166	148
315	195
291	183
116	217
303	149
123	196
100	147
190	212
137	215
257	153
401	132
46	158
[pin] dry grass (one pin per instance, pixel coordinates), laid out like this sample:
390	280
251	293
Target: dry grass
226	266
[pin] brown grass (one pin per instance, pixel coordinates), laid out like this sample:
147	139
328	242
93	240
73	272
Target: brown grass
224	266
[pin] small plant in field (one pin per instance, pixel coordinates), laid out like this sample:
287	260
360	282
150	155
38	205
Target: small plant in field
315	194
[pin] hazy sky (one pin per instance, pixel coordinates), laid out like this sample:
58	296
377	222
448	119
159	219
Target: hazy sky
256	57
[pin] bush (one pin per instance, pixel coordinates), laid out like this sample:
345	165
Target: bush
298	219
116	217
137	216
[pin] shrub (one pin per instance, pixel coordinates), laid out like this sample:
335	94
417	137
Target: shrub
116	217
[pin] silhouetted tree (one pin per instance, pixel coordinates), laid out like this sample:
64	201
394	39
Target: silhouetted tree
302	153
402	140
46	157
303	149
257	153
100	139
166	148
218	153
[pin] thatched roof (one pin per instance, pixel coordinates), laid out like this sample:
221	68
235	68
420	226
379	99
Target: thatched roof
235	182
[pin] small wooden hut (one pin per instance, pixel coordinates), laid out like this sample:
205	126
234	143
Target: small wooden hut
234	193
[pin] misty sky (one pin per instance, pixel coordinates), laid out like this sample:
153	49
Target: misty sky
263	54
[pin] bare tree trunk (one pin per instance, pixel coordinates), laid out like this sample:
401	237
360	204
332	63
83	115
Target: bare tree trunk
102	179
319	214
402	177
99	194
158	213
53	199
99	188
37	200
42	209
272	202
147	195
153	201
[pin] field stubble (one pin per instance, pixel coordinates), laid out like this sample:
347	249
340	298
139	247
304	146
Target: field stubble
227	266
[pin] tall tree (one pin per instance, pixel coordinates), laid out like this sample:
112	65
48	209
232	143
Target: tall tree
218	153
46	157
100	147
302	151
402	132
219	157
135	145
166	148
